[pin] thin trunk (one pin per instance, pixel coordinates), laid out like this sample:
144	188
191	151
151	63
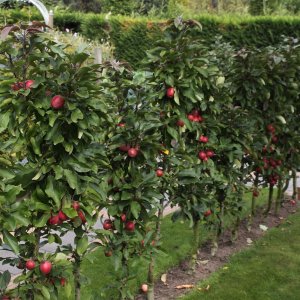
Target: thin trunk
294	174
253	204
76	272
269	200
220	227
150	293
279	196
235	230
196	241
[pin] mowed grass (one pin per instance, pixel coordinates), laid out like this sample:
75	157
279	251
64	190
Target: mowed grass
270	270
99	276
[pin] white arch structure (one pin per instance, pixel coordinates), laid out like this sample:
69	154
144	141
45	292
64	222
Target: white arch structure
39	5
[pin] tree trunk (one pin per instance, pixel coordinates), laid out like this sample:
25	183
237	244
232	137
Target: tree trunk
196	241
76	273
214	4
294	174
269	200
279	196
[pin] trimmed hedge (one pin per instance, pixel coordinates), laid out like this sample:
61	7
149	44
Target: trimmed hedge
133	36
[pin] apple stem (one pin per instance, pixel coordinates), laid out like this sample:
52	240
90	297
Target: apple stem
279	196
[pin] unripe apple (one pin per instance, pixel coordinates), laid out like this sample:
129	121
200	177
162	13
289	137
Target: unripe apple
28	84
159	173
45	267
81	216
202	155
57	102
207	213
123	217
54	220
76	205
63	281
132	152
170	92
107	224
30	264
130	226
144	288
62	216
180	123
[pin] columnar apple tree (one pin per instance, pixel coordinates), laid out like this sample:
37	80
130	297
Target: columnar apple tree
53	159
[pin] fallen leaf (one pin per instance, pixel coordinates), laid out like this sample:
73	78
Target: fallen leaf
204	289
263	227
203	262
163	278
225	268
249	241
281	218
184	286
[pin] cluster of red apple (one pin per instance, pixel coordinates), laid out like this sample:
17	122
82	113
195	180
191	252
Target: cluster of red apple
22	85
131	151
45	266
204	155
129	225
271	129
61	216
195	116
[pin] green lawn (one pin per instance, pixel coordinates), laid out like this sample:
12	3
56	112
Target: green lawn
270	270
176	241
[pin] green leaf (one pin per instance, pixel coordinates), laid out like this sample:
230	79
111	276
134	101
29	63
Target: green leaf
11	241
220	80
42	221
76	115
72	179
4	280
53	191
281	119
173	132
82	245
135	208
4	120
45	292
176	98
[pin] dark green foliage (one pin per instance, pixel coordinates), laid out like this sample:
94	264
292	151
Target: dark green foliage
132	37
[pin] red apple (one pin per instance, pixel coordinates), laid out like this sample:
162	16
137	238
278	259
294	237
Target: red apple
159	173
191	117
180	123
203	139
76	205
62	216
123	217
107	224
57	102
121	125
5	297
198	119
30	264
81	216
63	281
144	288
129	226
170	92
132	152
28	84
293	202
271	128
45	267
207	213
202	155
54	220
210	153
255	193
108	253
274	139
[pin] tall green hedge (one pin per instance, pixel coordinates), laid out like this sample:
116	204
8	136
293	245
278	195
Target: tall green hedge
133	36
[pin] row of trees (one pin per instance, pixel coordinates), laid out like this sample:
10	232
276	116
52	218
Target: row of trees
190	128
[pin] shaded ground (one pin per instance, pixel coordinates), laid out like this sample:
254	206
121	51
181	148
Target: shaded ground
206	264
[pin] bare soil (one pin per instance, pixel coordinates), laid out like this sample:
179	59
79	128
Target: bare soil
181	275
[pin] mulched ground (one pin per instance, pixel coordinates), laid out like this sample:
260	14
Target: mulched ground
207	264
